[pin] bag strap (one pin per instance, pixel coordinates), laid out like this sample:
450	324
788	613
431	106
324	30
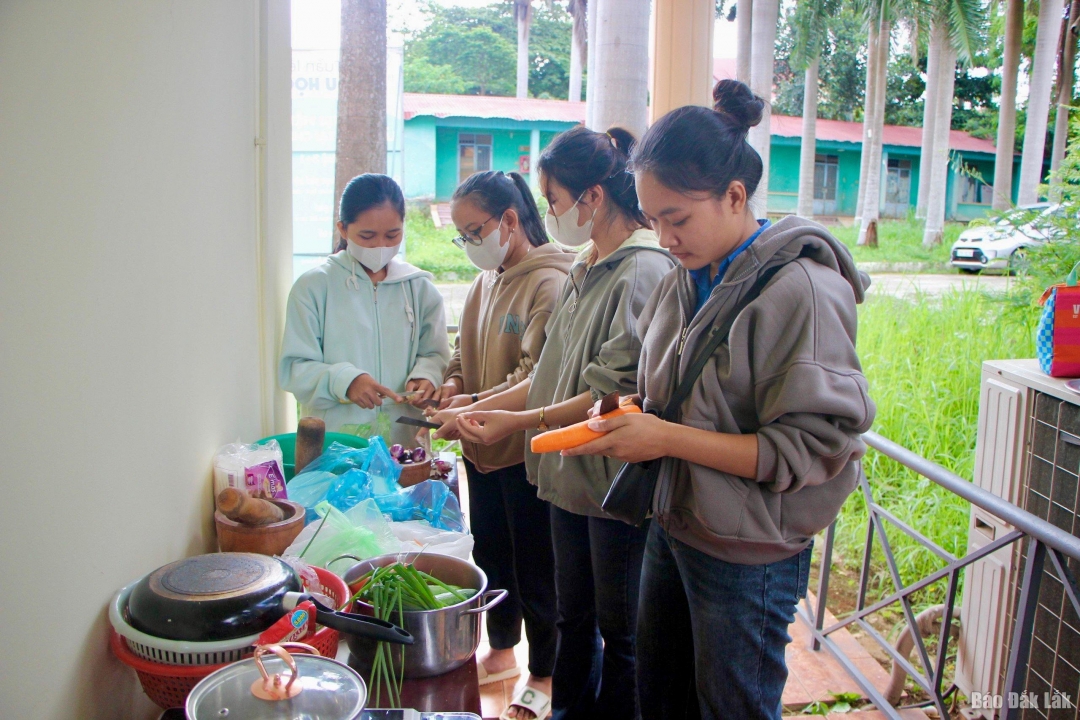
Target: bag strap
717	335
1071	279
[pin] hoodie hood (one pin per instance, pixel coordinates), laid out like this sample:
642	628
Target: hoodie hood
642	238
397	270
549	255
789	239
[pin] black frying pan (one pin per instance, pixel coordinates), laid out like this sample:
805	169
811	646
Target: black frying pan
223	596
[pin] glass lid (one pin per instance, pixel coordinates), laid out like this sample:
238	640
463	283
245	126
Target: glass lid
324	689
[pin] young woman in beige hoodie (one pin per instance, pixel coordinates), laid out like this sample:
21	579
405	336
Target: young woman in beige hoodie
500	337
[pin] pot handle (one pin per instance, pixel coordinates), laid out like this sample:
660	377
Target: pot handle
490	599
363	625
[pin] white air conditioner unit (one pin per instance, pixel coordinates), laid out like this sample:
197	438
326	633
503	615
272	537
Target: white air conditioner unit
1027	452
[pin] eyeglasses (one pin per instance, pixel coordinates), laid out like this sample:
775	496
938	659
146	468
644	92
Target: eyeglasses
472	237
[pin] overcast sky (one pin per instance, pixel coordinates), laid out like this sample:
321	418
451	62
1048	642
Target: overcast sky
316	24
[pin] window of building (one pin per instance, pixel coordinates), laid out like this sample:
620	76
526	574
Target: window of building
474	154
975	192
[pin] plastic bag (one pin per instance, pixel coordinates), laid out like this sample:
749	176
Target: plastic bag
416	535
430	500
362	532
337	460
381	467
232	461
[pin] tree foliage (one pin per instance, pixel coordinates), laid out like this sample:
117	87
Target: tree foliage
477	46
842	74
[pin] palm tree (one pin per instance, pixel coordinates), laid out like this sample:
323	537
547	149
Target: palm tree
926	152
871	189
361	118
956	30
869	110
1006	134
811	23
744	23
1042	79
939	164
762	62
808	144
1065	92
523	16
579	12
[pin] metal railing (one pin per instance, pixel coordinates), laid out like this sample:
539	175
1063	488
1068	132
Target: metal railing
1044	541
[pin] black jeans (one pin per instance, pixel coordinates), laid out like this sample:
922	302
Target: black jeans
512	532
711	634
597	570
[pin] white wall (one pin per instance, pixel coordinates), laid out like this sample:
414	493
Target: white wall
138	286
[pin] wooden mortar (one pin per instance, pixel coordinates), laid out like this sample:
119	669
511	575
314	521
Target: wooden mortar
270	539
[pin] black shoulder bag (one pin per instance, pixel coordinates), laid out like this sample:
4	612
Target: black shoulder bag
631	493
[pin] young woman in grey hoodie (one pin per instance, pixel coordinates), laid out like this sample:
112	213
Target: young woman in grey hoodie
592	349
767	445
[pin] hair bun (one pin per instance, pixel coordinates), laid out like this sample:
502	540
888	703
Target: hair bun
737	101
622	140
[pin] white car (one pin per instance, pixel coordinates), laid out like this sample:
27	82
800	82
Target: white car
1000	246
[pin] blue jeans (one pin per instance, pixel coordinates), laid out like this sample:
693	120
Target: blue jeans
711	634
597	573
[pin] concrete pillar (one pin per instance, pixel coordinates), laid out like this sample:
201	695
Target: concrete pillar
682	55
618	89
534	157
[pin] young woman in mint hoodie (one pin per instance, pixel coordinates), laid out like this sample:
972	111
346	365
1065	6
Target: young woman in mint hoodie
767	445
365	325
592	350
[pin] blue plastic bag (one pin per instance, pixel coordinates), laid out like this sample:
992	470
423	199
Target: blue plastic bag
430	500
344	476
380	466
337	460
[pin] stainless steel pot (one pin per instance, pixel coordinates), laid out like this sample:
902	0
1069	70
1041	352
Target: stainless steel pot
444	639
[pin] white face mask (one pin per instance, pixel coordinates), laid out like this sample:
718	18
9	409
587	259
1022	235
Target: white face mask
374	259
565	229
489	254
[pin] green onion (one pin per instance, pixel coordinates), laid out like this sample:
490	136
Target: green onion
399	588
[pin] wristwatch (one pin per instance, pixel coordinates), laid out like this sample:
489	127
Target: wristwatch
542	427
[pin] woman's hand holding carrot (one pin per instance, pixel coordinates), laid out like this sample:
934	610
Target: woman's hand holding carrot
634	437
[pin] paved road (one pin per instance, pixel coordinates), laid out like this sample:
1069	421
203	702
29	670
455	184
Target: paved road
895	284
908	285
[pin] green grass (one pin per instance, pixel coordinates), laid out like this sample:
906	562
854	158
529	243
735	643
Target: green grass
923	359
431	249
899	241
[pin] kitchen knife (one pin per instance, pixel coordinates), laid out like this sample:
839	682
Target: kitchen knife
608	403
406	420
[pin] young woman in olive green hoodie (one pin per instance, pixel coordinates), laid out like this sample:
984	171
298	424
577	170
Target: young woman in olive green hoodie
592	350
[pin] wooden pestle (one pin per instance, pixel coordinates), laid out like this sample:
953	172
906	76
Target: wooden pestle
242	508
310	435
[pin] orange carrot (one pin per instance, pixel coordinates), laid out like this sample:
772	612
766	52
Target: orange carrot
579	433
